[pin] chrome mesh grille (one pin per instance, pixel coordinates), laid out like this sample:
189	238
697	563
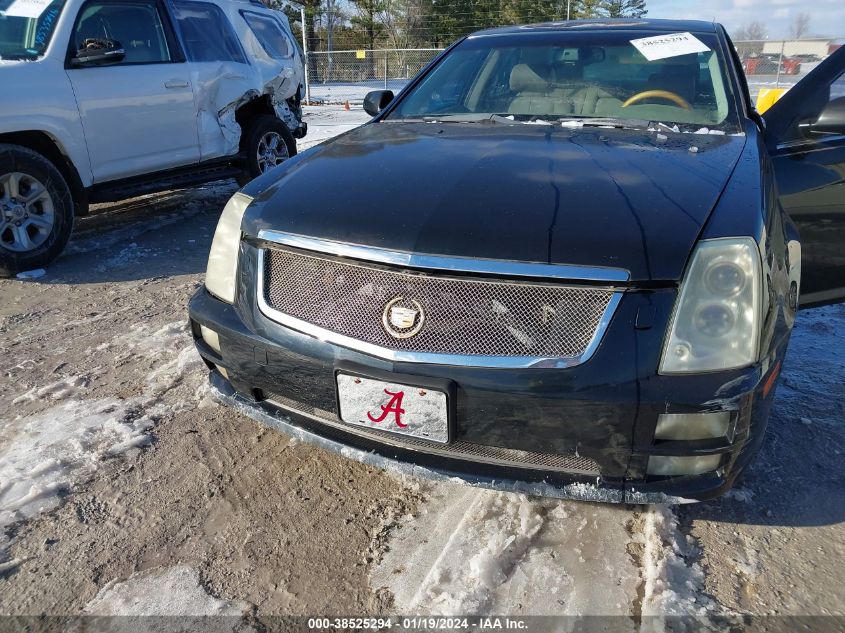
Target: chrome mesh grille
464	316
458	449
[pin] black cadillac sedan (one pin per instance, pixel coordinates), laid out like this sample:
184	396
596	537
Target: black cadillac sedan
564	260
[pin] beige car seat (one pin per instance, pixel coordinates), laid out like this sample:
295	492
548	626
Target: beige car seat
536	92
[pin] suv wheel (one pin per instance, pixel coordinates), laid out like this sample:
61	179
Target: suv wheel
36	210
267	143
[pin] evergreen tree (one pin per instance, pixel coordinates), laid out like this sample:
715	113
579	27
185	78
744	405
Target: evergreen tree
313	11
625	8
521	12
368	20
587	9
451	19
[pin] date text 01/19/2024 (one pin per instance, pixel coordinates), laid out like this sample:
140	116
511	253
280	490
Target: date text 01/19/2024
420	623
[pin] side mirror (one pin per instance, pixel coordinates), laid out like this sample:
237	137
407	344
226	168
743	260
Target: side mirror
96	51
376	101
831	121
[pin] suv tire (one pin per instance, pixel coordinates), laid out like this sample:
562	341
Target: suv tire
267	142
36	210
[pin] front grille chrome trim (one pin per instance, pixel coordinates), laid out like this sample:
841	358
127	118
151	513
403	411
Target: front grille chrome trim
404	356
500	268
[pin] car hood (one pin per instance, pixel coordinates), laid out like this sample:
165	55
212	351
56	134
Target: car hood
634	200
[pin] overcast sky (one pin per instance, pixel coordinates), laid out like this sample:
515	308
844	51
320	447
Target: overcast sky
827	17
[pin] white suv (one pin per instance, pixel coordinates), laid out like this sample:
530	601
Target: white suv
106	99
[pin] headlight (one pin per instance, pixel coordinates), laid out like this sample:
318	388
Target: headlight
716	324
223	260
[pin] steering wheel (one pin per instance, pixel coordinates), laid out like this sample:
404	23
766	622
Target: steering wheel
678	100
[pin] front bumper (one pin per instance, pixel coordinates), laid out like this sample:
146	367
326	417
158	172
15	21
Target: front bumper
585	432
300	131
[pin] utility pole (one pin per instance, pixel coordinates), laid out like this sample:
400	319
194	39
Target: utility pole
330	18
568	5
305	53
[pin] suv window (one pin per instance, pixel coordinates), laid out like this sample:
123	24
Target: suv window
136	25
23	36
270	35
207	33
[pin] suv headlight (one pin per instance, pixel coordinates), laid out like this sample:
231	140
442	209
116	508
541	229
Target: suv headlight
222	271
716	323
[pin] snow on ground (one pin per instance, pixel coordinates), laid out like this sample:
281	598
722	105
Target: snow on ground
474	551
44	454
672	587
353	92
173	591
757	82
327	121
482	552
172	207
466	551
172	358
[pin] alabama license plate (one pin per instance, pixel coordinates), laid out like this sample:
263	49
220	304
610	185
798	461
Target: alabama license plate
387	406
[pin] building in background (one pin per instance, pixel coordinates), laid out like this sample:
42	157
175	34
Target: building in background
819	47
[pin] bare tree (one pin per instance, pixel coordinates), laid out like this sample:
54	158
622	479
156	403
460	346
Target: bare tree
800	26
402	20
751	31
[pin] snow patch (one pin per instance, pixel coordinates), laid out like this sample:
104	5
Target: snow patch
673	587
55	391
45	454
38	273
51	450
326	122
479	552
131	254
175	591
170	350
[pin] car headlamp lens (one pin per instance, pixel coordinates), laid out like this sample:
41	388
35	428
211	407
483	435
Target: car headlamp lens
714	320
725	279
715	325
222	271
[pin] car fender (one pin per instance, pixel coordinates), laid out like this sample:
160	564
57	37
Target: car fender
44	104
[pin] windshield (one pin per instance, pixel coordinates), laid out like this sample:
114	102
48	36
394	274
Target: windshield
577	77
26	27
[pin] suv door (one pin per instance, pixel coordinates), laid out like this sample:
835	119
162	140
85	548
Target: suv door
221	75
805	135
138	113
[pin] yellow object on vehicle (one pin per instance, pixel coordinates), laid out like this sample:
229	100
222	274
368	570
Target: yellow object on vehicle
769	97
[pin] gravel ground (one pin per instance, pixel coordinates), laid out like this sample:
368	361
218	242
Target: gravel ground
125	489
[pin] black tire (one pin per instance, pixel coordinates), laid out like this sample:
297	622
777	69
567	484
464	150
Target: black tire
255	131
47	243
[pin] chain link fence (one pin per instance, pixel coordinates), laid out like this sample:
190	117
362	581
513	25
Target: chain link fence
341	76
781	63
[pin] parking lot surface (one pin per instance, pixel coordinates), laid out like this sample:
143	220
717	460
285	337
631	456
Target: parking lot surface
123	483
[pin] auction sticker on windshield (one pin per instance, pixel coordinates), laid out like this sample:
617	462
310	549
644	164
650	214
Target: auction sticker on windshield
27	8
403	409
670	45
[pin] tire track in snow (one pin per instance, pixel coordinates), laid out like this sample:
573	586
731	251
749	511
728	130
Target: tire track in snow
473	551
672	585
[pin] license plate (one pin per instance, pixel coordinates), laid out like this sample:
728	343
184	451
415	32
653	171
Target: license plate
387	406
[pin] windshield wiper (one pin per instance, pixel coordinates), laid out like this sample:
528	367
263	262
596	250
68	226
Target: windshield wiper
510	119
622	124
469	117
